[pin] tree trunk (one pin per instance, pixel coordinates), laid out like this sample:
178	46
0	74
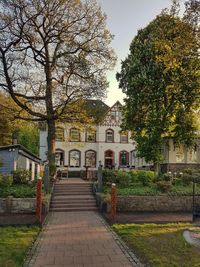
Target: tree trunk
157	167
51	146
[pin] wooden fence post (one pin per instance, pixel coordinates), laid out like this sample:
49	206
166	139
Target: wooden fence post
39	200
113	202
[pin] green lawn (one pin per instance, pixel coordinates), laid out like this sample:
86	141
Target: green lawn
14	243
160	245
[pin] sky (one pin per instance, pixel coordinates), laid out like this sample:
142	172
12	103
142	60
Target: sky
124	18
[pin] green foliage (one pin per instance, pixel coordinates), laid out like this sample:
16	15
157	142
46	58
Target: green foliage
123	178
21	176
109	176
5	180
190	175
18	191
28	136
164	186
161	80
14	244
145	177
134	176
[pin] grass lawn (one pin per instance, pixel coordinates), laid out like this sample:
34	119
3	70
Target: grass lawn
160	245
14	242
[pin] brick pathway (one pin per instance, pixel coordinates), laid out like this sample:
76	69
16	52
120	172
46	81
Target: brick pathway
78	239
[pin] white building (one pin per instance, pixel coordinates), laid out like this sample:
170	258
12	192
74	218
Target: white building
103	143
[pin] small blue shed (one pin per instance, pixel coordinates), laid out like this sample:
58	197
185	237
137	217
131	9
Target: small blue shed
13	157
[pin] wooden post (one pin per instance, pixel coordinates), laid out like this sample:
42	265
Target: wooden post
113	202
99	174
46	179
39	201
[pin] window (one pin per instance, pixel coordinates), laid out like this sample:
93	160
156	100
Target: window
133	158
109	136
113	115
123	158
75	135
192	155
60	134
59	157
91	136
90	158
74	158
180	157
124	137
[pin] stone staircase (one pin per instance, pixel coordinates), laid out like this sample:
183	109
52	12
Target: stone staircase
73	195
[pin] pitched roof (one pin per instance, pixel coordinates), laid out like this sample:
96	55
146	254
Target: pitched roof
96	109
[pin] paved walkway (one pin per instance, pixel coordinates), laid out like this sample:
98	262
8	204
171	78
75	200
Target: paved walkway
78	239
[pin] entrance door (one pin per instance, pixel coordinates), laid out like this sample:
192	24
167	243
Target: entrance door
59	158
109	159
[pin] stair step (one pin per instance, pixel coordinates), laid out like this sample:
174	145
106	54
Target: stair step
73	200
75	209
72	194
73	205
73	197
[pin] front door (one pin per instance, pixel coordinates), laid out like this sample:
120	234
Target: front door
109	159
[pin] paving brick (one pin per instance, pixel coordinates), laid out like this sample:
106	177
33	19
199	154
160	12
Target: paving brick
78	239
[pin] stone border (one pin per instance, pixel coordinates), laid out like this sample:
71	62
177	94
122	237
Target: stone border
31	254
125	249
188	235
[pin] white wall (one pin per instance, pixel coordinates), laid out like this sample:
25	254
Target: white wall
100	146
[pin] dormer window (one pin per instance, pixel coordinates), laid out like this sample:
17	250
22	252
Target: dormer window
109	136
124	137
91	136
113	115
60	134
75	135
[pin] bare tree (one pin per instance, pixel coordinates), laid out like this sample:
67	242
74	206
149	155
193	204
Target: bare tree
53	53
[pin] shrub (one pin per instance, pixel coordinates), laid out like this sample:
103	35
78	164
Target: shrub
189	175
21	176
109	176
168	176
134	176
18	191
5	180
123	178
164	186
146	177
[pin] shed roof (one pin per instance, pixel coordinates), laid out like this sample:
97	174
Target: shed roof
22	150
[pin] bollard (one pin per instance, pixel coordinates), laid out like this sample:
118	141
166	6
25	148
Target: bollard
39	200
113	202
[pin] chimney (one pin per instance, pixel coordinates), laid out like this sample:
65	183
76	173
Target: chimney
14	138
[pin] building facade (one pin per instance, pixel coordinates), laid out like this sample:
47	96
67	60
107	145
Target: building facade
104	143
175	158
88	146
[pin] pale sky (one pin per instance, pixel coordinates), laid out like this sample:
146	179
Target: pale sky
124	18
